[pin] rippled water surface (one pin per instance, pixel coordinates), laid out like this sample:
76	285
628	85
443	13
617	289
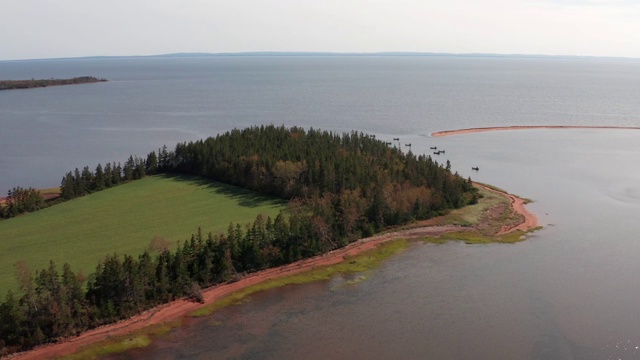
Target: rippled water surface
149	102
569	292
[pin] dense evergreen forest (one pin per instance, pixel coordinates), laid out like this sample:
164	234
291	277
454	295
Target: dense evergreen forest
340	188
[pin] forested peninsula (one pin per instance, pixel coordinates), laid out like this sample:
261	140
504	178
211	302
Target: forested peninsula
34	83
340	188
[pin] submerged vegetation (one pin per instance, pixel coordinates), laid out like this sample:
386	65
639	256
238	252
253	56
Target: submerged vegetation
120	344
361	263
340	188
358	264
33	83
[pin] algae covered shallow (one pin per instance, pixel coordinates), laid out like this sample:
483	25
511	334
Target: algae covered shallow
122	343
361	263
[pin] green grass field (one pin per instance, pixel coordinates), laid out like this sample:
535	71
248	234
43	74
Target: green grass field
124	220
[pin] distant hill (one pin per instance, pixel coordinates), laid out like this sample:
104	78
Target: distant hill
342	54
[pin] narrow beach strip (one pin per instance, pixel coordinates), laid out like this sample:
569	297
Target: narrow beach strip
527	127
178	309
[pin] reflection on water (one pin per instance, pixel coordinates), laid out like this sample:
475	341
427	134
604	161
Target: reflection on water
569	292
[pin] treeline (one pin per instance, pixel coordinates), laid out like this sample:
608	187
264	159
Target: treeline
340	188
35	83
79	183
56	304
20	201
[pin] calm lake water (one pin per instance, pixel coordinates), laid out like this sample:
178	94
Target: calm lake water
569	292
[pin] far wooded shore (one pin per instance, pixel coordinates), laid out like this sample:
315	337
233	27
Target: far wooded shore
33	83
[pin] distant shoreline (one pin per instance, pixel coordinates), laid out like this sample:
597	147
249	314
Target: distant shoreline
333	54
526	127
33	83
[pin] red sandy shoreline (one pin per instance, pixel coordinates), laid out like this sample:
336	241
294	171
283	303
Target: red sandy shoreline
530	220
180	308
526	127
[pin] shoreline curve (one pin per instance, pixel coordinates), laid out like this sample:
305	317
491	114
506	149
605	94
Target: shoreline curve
529	221
527	127
179	309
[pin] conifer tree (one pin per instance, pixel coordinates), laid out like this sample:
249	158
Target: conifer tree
108	176
116	172
151	163
99	182
87	180
128	169
80	186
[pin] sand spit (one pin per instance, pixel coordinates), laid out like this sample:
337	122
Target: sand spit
530	220
525	127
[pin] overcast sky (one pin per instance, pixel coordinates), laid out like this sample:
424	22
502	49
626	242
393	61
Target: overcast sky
68	28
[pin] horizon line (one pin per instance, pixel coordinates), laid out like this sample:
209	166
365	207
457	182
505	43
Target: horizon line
330	54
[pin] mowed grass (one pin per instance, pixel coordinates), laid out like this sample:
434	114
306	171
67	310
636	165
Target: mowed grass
124	220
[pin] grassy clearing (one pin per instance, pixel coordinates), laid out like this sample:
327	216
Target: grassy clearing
358	264
475	237
473	214
50	191
124	220
493	187
483	220
526	200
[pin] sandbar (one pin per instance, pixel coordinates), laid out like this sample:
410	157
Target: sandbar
526	127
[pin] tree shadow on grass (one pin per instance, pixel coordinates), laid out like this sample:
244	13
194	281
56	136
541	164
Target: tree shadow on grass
244	197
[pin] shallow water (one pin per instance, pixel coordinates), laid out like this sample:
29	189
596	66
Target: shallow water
569	292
